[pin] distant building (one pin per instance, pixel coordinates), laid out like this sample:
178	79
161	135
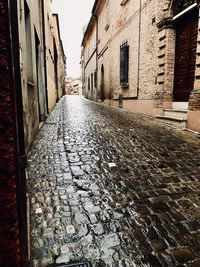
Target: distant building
143	55
73	86
68	87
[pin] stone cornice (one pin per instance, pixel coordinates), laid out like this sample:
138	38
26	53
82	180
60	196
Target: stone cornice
165	23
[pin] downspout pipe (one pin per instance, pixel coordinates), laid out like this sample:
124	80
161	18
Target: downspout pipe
139	47
45	63
97	44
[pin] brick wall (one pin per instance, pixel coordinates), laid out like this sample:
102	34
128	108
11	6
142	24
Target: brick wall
148	29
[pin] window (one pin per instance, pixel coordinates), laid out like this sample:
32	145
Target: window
124	64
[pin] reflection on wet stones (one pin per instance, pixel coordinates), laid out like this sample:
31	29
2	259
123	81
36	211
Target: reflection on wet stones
142	212
182	255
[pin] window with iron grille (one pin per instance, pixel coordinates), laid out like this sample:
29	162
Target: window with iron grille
124	64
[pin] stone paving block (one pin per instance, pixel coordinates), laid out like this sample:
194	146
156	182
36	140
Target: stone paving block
39	253
142	212
98	229
182	255
110	241
92	209
93	218
76	171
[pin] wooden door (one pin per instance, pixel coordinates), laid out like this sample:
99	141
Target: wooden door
185	57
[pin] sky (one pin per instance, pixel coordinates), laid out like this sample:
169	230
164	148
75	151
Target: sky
73	15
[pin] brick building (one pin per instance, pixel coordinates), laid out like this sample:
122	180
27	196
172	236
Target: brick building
144	55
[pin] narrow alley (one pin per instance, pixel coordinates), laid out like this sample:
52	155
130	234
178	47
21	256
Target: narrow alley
113	188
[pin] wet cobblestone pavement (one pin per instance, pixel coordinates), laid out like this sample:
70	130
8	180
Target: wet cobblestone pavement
114	188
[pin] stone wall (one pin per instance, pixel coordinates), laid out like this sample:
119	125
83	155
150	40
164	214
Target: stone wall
29	28
60	53
89	64
35	62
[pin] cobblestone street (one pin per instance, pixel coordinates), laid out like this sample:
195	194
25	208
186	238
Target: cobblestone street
114	188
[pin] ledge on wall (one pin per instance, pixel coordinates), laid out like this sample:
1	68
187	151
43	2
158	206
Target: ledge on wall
125	97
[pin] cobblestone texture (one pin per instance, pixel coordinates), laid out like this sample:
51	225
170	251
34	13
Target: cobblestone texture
141	210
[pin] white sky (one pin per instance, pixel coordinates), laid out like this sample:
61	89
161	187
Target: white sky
73	15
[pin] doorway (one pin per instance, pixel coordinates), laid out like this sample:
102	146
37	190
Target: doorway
185	56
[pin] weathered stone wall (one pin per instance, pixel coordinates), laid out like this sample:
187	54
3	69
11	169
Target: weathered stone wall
29	80
89	64
33	67
52	93
61	63
123	26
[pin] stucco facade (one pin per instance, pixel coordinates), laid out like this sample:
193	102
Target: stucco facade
37	62
59	57
50	68
89	62
148	29
32	70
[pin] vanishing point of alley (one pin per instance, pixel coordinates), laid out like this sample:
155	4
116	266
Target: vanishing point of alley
113	188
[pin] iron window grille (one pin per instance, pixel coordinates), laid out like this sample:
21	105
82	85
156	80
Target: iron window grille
124	64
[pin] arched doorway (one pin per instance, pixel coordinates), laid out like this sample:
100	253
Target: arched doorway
102	86
186	26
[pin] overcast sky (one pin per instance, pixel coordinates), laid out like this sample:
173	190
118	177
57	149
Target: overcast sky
73	15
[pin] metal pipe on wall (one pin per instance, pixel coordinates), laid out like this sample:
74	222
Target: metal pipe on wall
139	47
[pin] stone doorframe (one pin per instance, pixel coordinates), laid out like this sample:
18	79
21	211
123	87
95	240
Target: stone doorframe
163	96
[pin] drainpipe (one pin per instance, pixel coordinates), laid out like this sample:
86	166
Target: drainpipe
97	39
45	63
139	46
